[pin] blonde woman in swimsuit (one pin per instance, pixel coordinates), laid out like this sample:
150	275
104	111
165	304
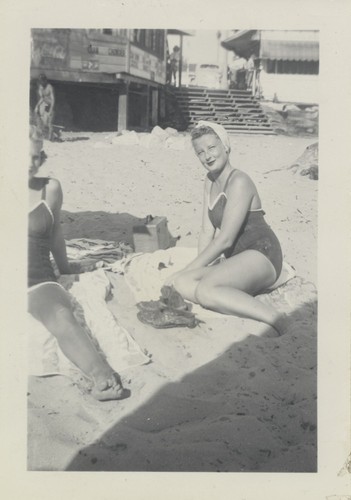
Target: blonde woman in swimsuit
48	301
233	225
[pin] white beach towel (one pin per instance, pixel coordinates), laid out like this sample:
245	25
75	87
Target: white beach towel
146	273
88	297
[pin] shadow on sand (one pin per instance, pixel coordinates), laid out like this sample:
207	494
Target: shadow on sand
101	225
252	409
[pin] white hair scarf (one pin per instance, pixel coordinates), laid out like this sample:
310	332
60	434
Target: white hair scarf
219	130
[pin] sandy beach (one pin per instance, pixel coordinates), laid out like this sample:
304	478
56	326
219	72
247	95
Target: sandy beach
219	397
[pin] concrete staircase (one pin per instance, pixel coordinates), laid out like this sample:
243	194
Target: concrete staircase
237	110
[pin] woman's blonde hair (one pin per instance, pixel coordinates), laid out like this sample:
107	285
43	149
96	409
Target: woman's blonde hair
203	130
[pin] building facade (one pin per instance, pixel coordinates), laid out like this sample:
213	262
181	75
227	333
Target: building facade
287	62
118	72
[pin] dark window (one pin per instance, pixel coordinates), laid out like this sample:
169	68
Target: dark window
107	32
151	40
292	67
270	66
160	42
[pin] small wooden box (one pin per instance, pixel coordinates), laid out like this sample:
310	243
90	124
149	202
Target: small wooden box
152	235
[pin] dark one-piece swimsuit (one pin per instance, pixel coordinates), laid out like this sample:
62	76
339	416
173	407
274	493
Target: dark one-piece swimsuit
254	234
40	226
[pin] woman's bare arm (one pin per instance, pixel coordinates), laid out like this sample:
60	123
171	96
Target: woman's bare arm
207	230
58	245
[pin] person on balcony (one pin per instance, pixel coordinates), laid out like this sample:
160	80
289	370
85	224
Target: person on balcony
174	61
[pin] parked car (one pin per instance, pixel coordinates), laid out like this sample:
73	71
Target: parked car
208	75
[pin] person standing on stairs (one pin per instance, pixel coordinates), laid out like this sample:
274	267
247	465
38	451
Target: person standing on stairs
174	61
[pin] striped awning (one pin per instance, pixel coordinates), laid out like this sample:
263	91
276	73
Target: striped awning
288	50
279	45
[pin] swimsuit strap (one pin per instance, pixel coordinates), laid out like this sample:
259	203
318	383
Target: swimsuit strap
43	192
223	191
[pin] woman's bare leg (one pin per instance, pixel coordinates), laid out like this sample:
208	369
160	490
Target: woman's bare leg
231	285
229	288
51	305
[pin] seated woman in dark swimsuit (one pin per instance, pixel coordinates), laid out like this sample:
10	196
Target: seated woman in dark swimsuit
233	224
48	301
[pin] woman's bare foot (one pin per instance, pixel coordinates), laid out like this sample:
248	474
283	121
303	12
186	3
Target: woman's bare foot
109	388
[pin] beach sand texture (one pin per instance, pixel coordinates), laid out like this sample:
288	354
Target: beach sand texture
219	397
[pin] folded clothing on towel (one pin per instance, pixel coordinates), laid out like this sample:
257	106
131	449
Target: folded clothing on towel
169	311
86	254
107	251
168	318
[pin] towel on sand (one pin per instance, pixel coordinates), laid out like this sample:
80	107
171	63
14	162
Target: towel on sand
146	273
88	295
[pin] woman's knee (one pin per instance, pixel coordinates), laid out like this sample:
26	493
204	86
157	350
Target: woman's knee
205	293
59	319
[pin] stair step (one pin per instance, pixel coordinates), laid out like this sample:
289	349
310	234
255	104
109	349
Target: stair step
251	126
249	112
194	90
235	127
237	110
190	99
221	109
252	132
227	113
223	103
194	108
190	95
228	92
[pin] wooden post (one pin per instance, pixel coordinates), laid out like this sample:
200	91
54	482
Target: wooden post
165	55
128	49
154	107
253	85
260	67
162	105
148	106
123	98
180	62
223	60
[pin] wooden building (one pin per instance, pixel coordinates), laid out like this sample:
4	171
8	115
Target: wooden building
287	62
104	79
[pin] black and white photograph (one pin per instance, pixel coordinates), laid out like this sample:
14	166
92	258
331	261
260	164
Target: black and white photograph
202	320
172	312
